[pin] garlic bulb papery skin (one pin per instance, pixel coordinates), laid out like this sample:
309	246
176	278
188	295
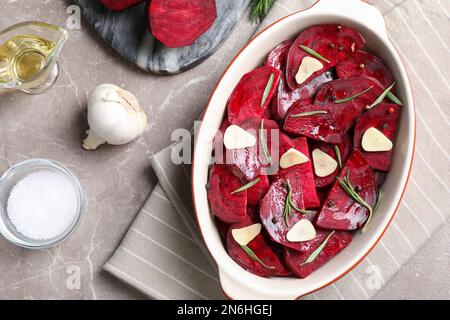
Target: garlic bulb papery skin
114	117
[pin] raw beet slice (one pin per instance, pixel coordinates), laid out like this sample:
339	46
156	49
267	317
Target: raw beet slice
249	163
229	208
277	58
245	101
382	119
362	63
284	97
334	42
218	147
344	148
222	227
294	259
302	174
119	5
344	88
178	23
321	127
272	213
261	249
380	177
340	212
257	192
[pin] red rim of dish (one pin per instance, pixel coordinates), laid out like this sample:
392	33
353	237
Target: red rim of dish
404	187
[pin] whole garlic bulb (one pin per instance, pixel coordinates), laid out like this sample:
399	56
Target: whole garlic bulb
114	117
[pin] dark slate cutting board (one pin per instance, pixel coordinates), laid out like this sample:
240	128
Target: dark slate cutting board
127	32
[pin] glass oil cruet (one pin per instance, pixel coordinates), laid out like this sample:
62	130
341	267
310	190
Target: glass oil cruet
28	56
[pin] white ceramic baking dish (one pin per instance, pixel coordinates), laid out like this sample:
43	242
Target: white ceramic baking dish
238	283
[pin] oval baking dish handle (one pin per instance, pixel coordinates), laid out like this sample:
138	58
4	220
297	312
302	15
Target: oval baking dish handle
235	289
359	10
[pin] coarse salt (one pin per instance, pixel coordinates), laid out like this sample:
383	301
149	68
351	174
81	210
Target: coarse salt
42	205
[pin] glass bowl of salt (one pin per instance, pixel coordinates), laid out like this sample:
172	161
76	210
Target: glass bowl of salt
42	203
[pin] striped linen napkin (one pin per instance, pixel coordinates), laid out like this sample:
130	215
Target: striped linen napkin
163	254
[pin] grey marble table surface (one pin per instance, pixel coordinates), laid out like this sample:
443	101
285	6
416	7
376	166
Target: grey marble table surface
117	180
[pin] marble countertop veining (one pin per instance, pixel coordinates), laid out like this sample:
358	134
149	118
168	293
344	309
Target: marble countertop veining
117	180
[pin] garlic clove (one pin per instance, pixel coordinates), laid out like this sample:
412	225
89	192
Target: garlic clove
308	66
324	165
303	230
237	138
245	235
291	158
374	140
114	117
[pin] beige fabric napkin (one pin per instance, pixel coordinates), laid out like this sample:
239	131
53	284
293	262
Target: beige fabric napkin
163	254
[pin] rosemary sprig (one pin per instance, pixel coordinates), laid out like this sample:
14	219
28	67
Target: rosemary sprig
253	255
394	99
267	90
260	8
353	97
289	205
347	186
313	53
308	113
247	186
375	208
262	138
382	96
316	252
338	156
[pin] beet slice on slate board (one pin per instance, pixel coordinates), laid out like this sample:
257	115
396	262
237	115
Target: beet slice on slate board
362	63
295	260
247	98
344	88
333	42
382	119
119	5
178	23
321	127
340	212
261	249
302	174
229	208
272	213
344	148
249	163
257	192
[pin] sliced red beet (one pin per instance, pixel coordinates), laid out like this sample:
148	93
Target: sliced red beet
249	163
333	42
248	97
383	117
380	177
344	148
230	208
302	174
321	127
119	5
257	192
340	212
272	213
222	227
178	23
344	88
272	263
284	97
218	147
295	260
362	63
277	58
